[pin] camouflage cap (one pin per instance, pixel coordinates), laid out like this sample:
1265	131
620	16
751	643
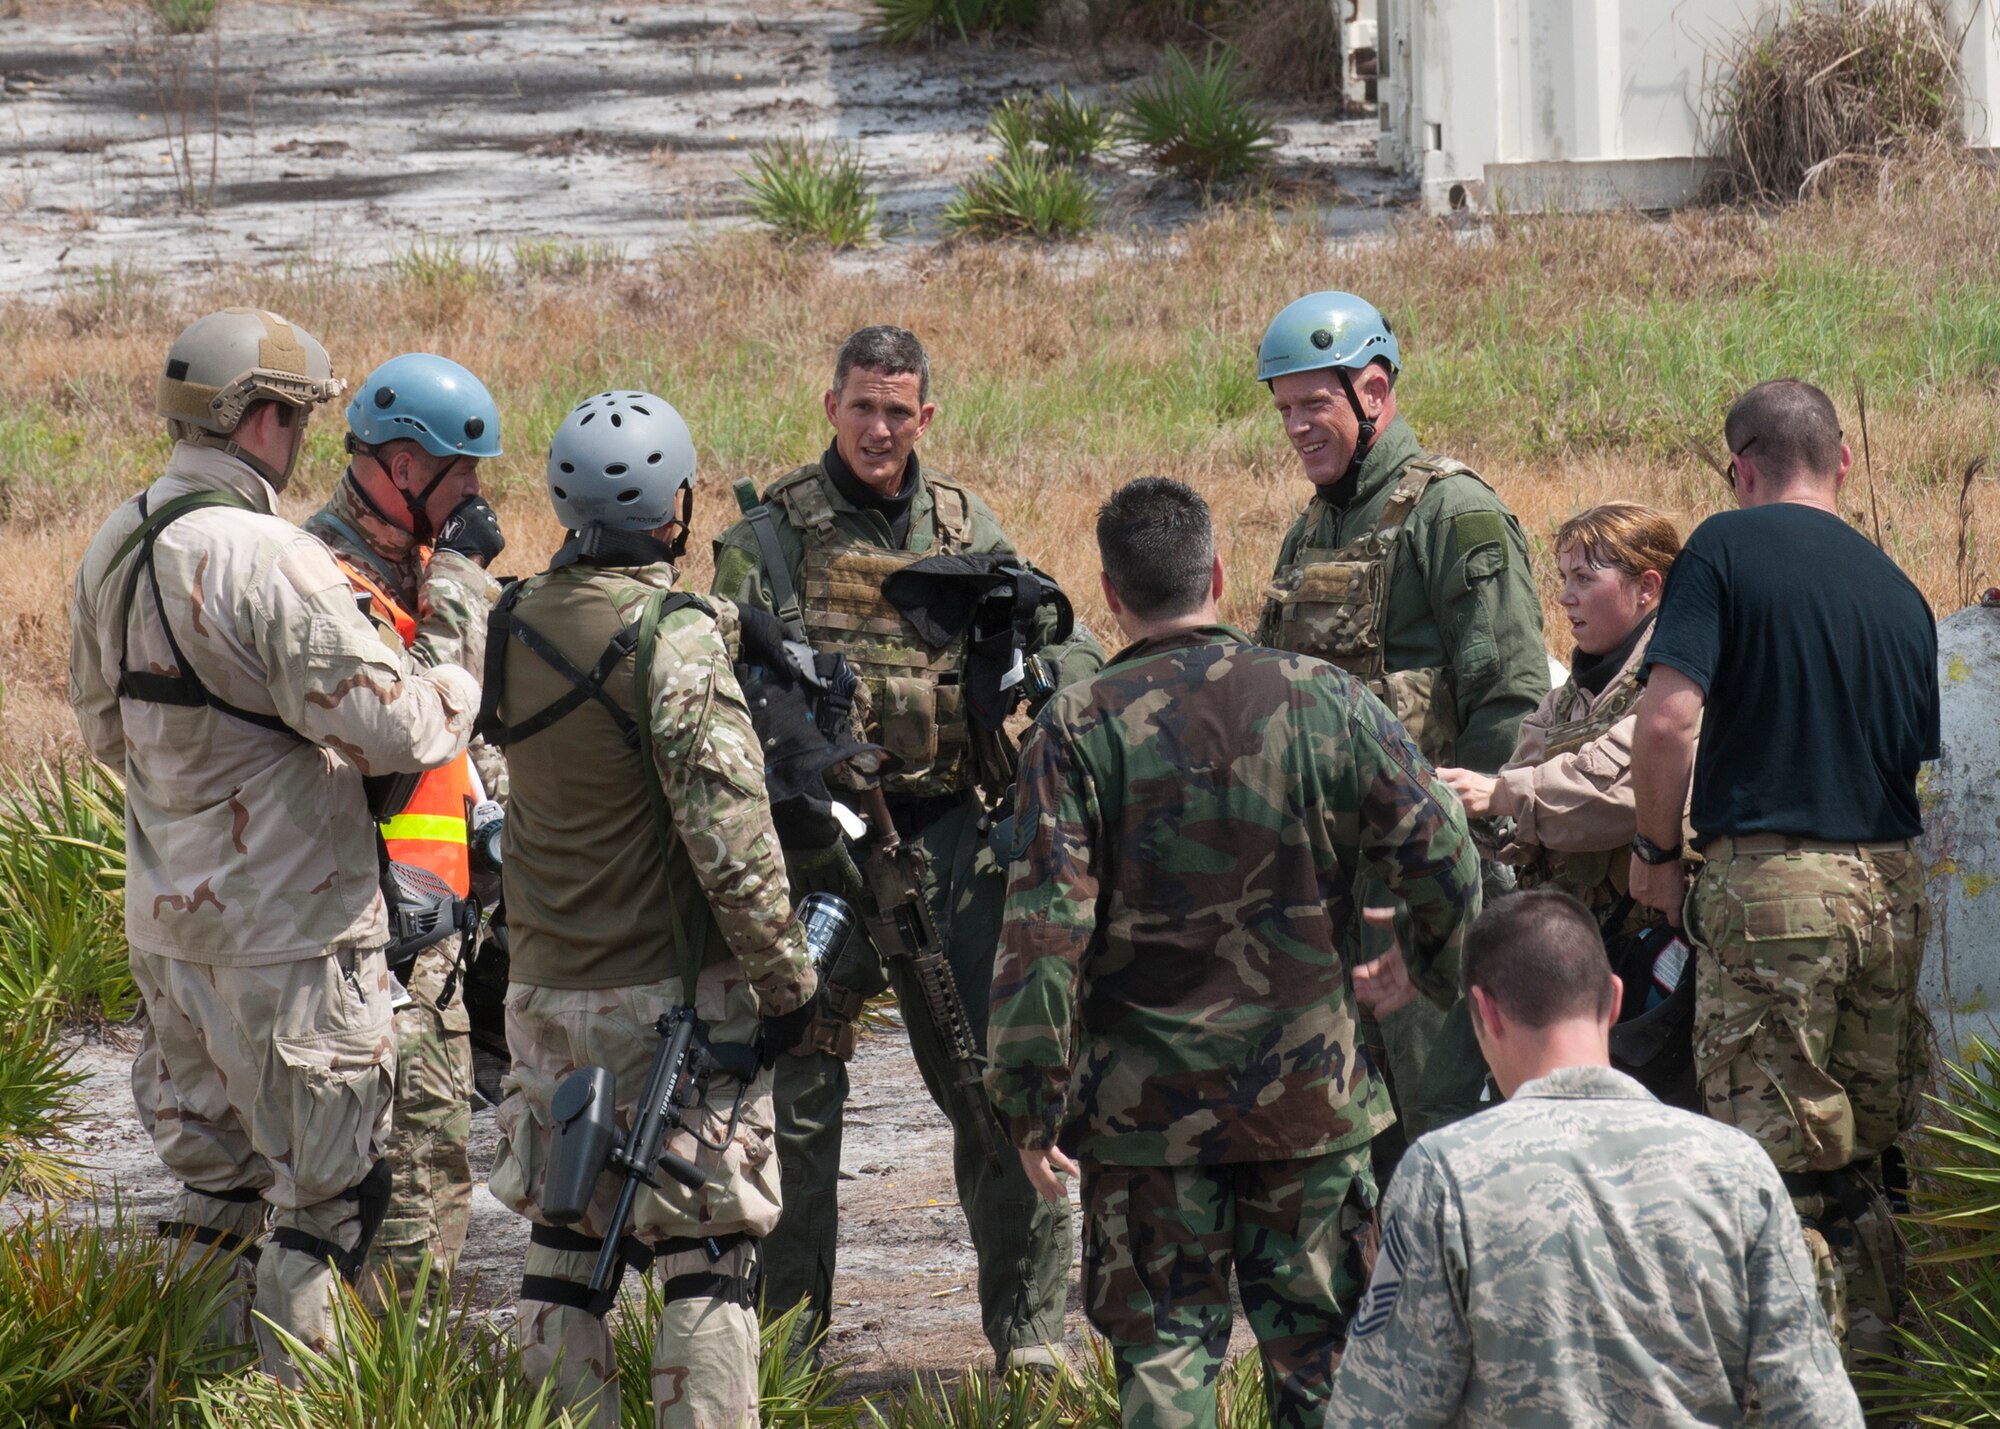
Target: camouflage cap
222	363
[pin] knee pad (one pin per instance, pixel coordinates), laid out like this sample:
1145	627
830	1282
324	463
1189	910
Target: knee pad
371	1197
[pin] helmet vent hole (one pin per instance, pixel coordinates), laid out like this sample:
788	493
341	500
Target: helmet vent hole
561	495
616	420
629	495
653	460
568	469
617	468
589	419
385	397
641	410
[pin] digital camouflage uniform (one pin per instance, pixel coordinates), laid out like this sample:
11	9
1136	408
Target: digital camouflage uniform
1583	1256
1420	587
837	556
1809	1036
251	899
1171	1002
592	903
431	1194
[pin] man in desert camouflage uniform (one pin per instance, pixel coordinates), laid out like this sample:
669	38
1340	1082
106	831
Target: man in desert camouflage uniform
1582	1256
1815	659
1171	1003
409	503
219	660
822	544
653	747
1408	572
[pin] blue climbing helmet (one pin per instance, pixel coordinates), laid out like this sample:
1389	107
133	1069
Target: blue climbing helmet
429	400
1323	330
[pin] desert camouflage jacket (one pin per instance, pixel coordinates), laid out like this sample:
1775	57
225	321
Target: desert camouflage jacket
1461	594
587	890
449	594
1190	826
245	845
1585	1256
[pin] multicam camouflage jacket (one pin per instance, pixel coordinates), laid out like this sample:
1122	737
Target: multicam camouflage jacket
247	845
1460	597
449	594
1585	1256
1191	824
587	890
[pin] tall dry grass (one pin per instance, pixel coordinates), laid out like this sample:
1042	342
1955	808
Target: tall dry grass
1569	359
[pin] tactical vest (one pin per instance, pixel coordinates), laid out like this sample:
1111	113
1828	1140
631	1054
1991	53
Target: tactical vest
429	828
916	699
1333	603
1598	877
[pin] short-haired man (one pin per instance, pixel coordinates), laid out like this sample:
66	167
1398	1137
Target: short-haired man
1171	1005
1582	1255
818	552
1815	659
218	660
409	528
1409	572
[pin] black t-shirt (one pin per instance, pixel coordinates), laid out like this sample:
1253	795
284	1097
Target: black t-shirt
1819	661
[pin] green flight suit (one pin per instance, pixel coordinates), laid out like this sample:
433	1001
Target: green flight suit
836	554
1418	583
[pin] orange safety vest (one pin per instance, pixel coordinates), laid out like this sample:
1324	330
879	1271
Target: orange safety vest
430	830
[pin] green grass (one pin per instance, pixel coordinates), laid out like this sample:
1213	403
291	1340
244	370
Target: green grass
183	17
1069	130
1198	122
1023	196
913	22
62	870
805	192
37	1104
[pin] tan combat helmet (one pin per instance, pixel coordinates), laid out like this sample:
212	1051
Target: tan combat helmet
222	363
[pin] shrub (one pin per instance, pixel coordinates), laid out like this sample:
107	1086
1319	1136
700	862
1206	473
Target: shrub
62	887
37	1101
912	22
1197	121
812	192
1834	91
793	1391
1023	196
183	17
1073	130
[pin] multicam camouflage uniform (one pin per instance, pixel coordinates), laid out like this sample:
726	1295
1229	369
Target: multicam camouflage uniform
1585	1256
431	1194
837	556
1420	587
591	902
1192	825
1809	1036
251	900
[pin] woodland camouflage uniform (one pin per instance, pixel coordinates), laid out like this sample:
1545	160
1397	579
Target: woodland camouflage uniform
1417	582
837	556
591	904
1171	1004
252	902
431	1191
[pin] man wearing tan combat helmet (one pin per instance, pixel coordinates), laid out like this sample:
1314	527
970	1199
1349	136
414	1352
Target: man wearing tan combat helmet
220	662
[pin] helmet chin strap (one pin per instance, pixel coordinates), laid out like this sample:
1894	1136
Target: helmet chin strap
1364	435
419	527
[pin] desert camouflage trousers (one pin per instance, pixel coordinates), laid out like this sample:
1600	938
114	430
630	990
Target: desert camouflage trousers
704	1372
430	1195
266	1090
1159	1245
1809	1037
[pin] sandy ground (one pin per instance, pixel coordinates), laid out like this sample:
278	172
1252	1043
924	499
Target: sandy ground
905	1287
341	135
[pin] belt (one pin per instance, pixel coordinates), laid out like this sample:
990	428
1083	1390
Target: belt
1718	849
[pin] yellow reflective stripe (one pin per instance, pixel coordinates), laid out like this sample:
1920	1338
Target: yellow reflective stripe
436	828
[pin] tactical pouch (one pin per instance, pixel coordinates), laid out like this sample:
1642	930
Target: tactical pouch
832	1030
907	710
1427	706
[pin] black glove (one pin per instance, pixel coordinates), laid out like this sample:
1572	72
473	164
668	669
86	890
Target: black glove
805	821
473	531
837	683
762	640
778	1035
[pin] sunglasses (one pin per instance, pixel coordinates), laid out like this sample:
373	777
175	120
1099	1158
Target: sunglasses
1729	471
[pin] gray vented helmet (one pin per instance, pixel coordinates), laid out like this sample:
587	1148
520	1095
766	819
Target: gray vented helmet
619	461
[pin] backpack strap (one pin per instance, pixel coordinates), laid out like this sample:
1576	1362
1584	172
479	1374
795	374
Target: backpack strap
183	688
951	508
658	606
762	526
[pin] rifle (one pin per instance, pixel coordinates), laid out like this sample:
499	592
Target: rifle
904	928
585	1110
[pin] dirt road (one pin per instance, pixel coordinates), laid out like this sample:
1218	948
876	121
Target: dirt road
343	135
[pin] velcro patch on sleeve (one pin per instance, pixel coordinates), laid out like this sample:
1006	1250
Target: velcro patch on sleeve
1474	529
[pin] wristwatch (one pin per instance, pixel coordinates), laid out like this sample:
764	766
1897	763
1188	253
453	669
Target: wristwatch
1646	851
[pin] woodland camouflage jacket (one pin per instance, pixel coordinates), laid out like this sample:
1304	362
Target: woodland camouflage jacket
1191	824
246	845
